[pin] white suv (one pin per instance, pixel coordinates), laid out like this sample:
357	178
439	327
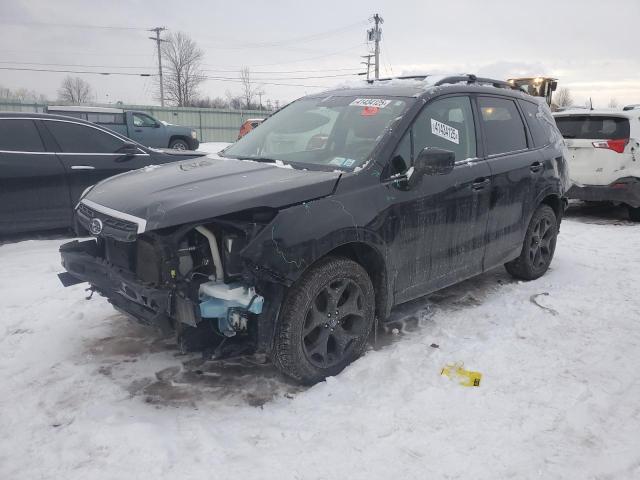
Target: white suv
605	155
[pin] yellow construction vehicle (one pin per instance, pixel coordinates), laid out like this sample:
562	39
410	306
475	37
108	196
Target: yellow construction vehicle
536	86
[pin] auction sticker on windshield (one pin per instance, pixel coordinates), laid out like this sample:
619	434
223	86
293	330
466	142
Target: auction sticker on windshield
370	102
445	131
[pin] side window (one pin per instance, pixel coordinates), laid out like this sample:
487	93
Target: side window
106	118
76	138
447	124
140	120
536	123
503	128
20	136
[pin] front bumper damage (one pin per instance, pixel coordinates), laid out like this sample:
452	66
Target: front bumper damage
219	310
624	190
149	305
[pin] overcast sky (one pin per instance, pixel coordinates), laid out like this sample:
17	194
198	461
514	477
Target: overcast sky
590	45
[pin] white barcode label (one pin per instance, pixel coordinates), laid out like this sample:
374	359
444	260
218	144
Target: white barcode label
445	131
370	102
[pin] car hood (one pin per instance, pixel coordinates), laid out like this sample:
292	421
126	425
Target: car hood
207	187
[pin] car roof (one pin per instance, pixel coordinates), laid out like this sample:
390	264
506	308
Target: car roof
425	85
82	108
49	116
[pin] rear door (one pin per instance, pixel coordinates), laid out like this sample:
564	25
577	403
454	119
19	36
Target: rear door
599	147
515	169
33	186
90	154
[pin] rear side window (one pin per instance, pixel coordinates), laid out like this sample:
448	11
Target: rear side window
537	126
594	127
106	118
20	136
448	124
503	128
76	138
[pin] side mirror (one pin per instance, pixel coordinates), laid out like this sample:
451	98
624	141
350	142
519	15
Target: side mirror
157	125
431	161
129	149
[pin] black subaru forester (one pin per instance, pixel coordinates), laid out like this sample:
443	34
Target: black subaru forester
293	240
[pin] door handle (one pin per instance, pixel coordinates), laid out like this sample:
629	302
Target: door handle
138	130
82	167
535	167
480	184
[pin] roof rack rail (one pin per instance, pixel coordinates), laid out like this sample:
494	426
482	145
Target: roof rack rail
404	77
631	107
473	79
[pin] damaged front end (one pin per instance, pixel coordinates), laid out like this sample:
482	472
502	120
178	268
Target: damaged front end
191	279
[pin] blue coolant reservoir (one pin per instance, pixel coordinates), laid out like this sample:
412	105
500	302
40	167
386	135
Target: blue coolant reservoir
216	298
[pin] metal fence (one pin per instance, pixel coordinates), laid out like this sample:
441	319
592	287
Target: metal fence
212	125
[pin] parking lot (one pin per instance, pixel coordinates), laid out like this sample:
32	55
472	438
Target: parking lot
88	394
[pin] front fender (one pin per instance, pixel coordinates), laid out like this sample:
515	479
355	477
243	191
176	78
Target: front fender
302	234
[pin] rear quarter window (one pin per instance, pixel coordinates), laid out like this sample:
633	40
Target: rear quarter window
594	127
537	124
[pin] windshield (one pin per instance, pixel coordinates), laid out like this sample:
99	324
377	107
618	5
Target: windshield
335	132
593	127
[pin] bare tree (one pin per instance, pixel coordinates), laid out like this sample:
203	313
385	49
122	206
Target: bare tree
22	95
613	103
74	90
563	97
249	89
234	101
183	73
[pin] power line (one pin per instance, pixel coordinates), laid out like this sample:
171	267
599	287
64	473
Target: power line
68	25
24	69
68	65
324	70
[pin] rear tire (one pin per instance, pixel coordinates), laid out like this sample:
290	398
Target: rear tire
325	321
539	246
634	214
179	144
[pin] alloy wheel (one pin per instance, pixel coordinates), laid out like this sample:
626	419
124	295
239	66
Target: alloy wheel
334	323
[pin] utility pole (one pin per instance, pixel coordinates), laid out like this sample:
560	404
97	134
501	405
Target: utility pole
367	63
377	35
157	39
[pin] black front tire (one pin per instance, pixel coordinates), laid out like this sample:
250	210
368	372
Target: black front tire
539	246
634	214
179	144
325	320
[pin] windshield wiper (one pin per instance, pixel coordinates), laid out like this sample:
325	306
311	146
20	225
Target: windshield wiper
257	159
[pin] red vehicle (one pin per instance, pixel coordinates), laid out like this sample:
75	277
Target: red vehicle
249	125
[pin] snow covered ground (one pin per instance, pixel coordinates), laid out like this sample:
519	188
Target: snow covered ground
212	147
85	394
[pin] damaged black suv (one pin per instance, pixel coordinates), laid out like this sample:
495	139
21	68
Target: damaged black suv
296	238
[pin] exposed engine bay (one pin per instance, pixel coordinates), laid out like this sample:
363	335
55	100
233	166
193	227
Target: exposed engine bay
190	279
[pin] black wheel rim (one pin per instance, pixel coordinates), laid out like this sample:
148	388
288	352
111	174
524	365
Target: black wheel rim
335	323
542	243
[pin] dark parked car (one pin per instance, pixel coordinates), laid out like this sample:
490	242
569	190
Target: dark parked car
293	246
47	161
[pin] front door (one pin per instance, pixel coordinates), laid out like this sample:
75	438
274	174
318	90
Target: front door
148	131
33	184
440	224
